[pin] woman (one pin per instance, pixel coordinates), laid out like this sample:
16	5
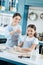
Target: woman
13	31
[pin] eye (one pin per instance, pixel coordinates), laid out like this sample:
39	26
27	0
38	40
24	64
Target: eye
28	30
31	31
16	18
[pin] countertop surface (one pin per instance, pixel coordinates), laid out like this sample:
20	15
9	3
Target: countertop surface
13	56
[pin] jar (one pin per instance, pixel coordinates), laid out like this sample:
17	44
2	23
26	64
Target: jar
42	50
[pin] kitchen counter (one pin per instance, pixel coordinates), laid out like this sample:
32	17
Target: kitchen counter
13	58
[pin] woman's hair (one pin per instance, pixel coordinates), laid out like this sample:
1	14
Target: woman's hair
34	27
16	14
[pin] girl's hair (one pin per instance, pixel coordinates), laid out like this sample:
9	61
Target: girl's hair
16	14
34	27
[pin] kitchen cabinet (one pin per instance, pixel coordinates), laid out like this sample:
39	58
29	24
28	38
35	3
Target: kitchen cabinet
9	6
7	9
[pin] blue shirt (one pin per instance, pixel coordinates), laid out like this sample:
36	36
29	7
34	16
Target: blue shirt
12	39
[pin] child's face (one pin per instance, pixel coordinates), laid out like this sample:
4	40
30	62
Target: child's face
30	32
16	20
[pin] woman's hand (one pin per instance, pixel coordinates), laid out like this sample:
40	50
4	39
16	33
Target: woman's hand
15	31
18	31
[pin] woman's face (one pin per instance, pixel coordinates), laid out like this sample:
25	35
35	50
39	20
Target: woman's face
16	20
30	32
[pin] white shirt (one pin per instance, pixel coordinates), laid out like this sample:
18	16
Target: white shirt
28	41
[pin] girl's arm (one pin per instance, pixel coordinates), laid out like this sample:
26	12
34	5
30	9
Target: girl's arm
18	48
32	47
20	45
29	49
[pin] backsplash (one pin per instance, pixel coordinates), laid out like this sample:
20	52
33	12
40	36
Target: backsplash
5	19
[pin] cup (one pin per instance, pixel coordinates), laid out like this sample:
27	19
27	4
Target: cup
33	55
42	50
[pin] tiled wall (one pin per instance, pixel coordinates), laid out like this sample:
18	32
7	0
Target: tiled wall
5	18
39	21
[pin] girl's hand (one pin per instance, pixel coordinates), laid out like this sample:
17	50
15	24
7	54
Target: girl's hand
17	48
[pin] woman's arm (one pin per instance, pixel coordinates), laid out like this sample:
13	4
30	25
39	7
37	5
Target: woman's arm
12	32
15	31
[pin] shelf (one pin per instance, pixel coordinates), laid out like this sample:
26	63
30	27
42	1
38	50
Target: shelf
8	6
9	12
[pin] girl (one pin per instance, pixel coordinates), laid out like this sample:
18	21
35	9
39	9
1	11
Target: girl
30	41
13	31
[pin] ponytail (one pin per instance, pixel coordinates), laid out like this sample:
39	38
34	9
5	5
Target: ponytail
35	35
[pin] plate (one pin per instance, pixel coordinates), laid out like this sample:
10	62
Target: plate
41	15
33	16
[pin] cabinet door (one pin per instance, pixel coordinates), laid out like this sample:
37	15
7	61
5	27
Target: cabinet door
9	5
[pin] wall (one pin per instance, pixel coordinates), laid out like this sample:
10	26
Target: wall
37	3
39	21
34	2
5	19
22	9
